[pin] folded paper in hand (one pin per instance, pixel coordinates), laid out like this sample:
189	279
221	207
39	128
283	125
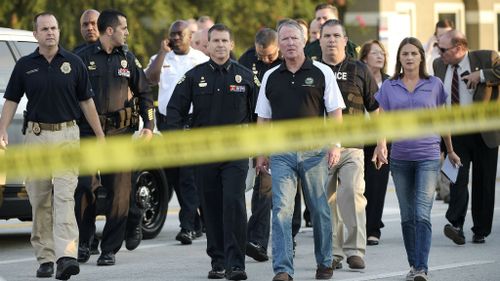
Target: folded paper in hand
449	170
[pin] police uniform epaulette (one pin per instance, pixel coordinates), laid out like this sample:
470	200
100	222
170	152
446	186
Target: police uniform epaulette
241	67
85	49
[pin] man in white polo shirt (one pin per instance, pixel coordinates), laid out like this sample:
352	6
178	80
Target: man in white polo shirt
172	61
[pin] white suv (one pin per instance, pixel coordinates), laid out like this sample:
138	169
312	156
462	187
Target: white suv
13	45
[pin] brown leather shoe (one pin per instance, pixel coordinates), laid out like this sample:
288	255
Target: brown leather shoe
356	262
282	276
324	273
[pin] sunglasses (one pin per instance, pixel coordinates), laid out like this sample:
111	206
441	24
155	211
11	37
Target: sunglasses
444	50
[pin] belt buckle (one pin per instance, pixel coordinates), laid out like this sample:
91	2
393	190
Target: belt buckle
36	128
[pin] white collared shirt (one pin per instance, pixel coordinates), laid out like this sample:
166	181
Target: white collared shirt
173	68
465	93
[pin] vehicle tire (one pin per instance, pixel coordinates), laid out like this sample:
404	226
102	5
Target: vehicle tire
153	195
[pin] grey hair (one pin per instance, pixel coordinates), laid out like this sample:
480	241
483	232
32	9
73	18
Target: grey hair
292	24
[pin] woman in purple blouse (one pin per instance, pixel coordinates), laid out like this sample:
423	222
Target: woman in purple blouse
414	163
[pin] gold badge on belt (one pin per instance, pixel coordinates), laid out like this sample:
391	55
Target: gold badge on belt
36	129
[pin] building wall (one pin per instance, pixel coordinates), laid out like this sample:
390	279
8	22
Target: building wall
392	20
476	18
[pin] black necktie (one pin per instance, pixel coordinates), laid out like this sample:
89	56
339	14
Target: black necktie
455	93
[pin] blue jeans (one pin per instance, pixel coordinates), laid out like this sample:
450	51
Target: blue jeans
415	183
311	167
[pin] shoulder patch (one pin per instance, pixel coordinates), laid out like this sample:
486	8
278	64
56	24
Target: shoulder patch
139	65
256	81
181	79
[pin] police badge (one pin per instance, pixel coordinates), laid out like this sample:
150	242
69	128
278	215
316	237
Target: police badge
237	78
123	63
66	67
36	128
92	65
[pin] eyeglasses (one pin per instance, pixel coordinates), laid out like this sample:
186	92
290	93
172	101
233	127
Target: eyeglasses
444	50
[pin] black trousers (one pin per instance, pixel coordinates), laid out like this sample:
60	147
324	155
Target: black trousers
85	207
118	187
223	202
259	224
135	213
375	190
472	150
184	184
185	188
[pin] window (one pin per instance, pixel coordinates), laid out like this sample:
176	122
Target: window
496	26
26	48
6	65
447	16
451	11
498	32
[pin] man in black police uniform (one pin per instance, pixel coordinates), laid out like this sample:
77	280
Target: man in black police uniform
322	13
347	200
88	28
222	93
264	56
90	34
113	70
58	90
133	234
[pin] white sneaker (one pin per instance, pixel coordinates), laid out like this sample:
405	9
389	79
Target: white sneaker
411	275
420	275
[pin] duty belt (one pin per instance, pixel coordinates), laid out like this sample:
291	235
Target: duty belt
38	127
117	120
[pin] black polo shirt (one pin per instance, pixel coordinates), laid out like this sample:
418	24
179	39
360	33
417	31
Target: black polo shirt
306	93
111	76
251	61
53	89
220	94
357	85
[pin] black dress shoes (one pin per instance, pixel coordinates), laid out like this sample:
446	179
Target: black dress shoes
456	234
185	236
133	238
256	251
478	239
372	241
217	272
83	253
66	267
106	259
94	247
236	273
198	233
45	270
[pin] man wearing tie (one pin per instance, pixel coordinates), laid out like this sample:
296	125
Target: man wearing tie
480	149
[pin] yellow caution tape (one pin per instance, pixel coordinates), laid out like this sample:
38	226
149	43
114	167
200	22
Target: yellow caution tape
233	142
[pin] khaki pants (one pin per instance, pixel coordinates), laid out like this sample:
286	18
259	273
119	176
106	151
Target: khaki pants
347	202
55	232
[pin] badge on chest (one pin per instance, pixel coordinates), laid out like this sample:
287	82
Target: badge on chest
123	70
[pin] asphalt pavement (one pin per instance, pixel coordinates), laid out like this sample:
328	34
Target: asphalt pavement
165	259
